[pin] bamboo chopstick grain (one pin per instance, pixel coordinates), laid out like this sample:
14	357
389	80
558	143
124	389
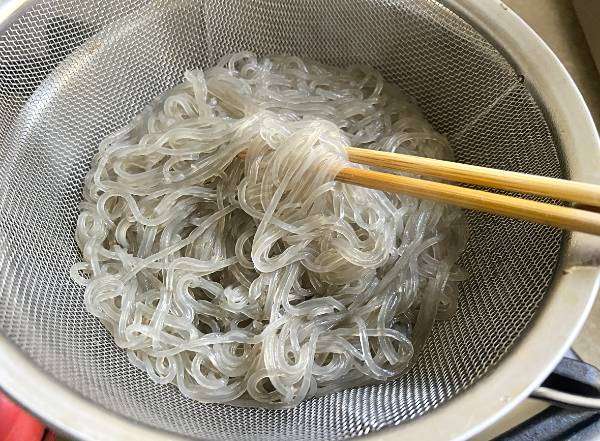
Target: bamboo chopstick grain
547	214
562	189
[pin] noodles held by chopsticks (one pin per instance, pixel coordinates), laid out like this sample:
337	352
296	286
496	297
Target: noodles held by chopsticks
261	278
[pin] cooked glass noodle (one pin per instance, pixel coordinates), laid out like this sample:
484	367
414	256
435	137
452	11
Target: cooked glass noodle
261	278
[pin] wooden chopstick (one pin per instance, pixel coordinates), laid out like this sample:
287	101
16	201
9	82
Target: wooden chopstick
548	214
562	189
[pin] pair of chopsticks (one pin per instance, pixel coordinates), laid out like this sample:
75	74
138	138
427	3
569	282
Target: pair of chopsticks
568	218
574	219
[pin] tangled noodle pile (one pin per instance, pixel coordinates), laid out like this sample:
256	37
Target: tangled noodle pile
261	278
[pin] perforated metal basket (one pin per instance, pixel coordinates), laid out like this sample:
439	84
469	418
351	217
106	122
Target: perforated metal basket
71	71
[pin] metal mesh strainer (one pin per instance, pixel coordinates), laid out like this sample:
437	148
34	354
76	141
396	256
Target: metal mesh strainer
71	71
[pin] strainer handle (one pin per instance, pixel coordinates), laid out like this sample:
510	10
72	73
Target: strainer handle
573	384
567	400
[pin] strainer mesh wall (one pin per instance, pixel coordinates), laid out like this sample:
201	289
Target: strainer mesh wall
71	71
